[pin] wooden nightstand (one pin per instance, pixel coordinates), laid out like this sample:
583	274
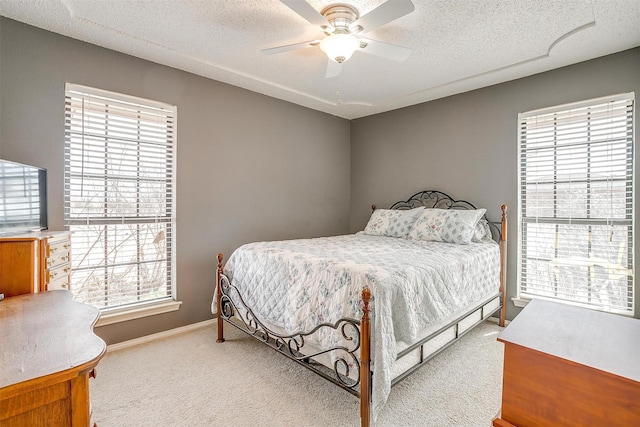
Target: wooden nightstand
570	366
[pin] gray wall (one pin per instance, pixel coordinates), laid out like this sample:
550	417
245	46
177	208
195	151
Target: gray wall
466	145
249	167
255	168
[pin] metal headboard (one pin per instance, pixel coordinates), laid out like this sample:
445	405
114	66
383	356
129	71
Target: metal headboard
439	200
432	199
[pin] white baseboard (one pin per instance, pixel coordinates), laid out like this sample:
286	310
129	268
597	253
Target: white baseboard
159	335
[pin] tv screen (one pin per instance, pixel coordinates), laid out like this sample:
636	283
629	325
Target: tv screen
23	198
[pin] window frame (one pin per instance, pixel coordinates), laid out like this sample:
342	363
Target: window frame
129	311
522	297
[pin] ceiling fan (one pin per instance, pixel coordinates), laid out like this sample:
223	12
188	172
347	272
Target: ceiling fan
345	29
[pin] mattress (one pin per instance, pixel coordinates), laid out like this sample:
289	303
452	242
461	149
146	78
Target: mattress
416	285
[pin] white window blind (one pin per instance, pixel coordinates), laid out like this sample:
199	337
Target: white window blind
576	203
119	197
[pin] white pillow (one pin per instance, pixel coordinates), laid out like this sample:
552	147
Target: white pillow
446	225
392	222
482	232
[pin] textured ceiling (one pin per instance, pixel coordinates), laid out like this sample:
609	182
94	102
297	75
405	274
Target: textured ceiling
458	45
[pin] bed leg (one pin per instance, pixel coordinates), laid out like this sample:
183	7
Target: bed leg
503	265
365	360
219	300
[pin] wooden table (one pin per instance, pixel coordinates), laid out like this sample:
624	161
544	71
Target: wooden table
47	353
570	366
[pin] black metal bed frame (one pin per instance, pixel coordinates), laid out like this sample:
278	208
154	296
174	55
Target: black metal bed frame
292	345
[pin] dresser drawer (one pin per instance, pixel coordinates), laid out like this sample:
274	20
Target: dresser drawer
63	282
58	252
56	274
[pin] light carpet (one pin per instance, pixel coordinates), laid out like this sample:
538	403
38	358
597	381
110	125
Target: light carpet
190	380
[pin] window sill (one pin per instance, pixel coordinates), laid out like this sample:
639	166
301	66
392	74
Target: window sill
108	317
520	302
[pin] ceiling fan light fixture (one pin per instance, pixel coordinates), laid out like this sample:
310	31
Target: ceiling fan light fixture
339	47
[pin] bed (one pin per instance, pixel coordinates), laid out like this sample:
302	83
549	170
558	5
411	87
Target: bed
366	310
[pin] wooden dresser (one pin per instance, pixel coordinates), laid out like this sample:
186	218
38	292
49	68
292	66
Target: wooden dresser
570	366
47	353
35	262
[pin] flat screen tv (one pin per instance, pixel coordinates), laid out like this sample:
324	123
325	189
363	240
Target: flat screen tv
23	198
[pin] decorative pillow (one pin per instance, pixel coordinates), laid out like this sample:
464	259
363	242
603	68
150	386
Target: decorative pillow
446	225
392	222
482	232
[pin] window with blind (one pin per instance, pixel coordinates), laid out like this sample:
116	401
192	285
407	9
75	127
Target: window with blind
119	197
576	204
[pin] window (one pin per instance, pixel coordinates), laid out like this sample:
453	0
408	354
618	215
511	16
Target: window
576	204
119	193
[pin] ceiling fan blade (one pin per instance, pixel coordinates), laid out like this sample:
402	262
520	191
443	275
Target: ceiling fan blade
383	14
333	69
290	47
307	11
385	50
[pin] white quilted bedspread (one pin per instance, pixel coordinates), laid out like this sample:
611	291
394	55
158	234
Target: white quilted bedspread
297	284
